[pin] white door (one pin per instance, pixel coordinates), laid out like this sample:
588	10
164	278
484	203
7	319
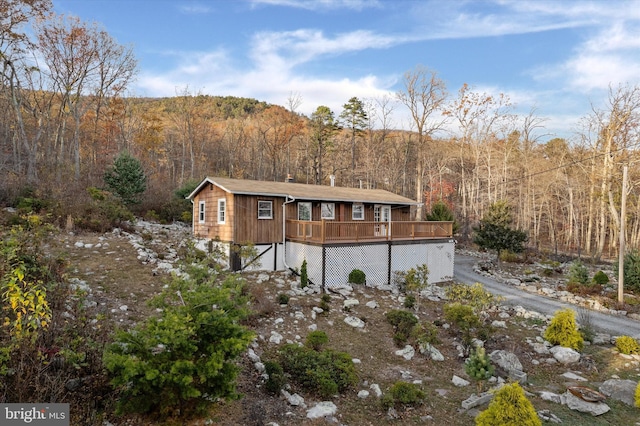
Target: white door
382	214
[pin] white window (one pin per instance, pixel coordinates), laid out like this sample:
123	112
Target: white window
304	211
201	216
265	209
357	213
328	211
222	211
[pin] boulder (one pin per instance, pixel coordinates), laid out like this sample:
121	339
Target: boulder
620	390
354	322
577	404
565	355
407	353
509	362
322	409
431	351
459	381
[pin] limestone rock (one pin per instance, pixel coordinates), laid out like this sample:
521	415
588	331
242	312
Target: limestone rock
322	409
565	355
354	322
620	390
577	404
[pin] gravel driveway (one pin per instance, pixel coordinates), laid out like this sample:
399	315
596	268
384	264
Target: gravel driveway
614	325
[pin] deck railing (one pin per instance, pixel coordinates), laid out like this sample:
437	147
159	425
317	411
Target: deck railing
329	231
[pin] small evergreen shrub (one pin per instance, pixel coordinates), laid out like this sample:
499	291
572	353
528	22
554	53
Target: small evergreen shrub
276	380
508	256
637	396
304	277
316	340
324	302
563	330
509	407
578	273
631	270
403	323
600	278
478	366
403	393
425	333
283	298
410	301
475	296
326	373
357	277
627	345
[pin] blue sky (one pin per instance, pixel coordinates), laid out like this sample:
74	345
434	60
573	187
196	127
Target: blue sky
559	57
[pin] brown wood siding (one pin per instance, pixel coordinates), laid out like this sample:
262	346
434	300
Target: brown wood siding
251	229
211	228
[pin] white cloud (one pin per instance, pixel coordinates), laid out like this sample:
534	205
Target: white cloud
320	4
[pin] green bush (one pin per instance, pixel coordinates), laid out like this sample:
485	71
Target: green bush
600	278
631	270
283	299
126	179
627	345
509	407
410	301
324	302
276	380
403	323
563	330
327	372
508	256
475	296
425	333
185	358
316	340
304	277
403	393
357	277
478	366
578	273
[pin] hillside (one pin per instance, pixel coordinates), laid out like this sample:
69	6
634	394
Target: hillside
122	270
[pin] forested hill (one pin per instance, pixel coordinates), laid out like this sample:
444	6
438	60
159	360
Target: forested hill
61	127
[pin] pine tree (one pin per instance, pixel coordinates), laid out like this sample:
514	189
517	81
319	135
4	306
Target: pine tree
126	179
495	233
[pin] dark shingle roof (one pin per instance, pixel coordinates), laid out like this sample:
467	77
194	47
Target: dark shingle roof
301	191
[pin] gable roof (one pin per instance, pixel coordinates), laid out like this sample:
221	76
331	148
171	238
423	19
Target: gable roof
301	191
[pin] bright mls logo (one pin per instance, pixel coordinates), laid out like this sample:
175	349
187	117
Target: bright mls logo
36	414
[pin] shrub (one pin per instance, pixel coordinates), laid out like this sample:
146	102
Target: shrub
425	333
304	277
416	280
126	179
509	407
403	323
627	345
357	277
563	330
508	256
403	393
466	322
316	339
410	301
185	358
327	372
478	366
276	380
324	302
283	298
578	273
637	396
631	270
475	296
600	278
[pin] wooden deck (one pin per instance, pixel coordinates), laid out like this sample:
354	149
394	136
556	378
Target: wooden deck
329	231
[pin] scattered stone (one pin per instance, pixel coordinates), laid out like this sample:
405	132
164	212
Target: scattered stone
475	400
509	362
295	399
577	404
372	304
363	394
459	381
407	353
565	355
499	324
620	390
551	397
275	338
572	376
354	322
376	390
350	303
548	416
322	409
431	351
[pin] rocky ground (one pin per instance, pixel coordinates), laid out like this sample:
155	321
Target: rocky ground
121	270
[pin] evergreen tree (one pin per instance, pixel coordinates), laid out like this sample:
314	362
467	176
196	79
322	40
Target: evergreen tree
440	212
126	179
495	233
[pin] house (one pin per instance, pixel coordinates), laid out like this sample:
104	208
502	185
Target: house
335	229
